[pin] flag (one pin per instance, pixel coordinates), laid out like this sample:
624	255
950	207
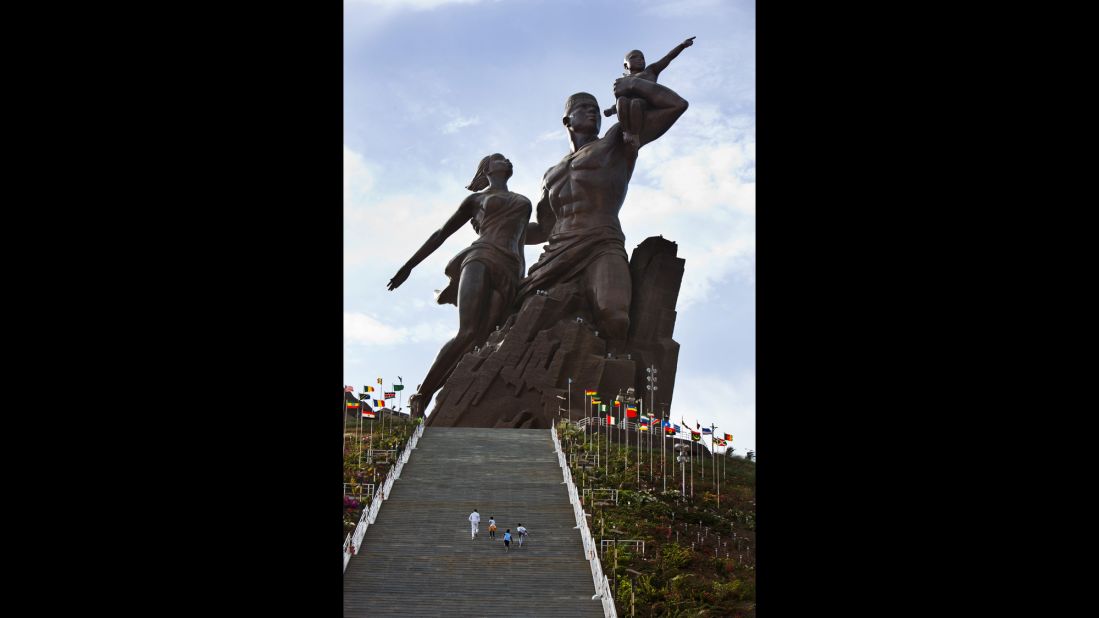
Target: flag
643	428
697	426
719	442
668	429
369	389
610	419
617	403
368	413
398	387
695	436
348	389
379	402
390	395
631	413
589	393
676	428
603	407
596	401
644	419
728	436
352	404
707	430
379	380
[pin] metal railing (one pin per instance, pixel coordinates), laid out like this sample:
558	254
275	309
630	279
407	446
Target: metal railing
354	540
594	495
605	543
599	578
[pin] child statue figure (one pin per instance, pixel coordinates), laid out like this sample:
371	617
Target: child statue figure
631	111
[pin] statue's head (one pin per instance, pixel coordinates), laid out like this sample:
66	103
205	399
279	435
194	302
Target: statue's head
582	114
635	61
495	163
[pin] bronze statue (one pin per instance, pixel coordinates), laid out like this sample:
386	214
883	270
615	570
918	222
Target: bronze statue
577	212
484	277
631	111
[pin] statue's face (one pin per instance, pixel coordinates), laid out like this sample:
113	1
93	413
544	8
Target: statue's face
497	163
635	62
584	117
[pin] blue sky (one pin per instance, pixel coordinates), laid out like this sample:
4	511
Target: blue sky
431	86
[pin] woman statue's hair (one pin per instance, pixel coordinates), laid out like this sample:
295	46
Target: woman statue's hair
480	179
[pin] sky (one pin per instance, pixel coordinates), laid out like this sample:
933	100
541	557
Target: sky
432	86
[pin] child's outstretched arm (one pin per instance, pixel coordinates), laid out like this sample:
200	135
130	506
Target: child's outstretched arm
663	63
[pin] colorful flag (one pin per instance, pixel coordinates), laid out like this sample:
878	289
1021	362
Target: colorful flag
369	389
707	430
398	387
603	407
695	436
379	380
352	404
631	413
610	419
643	428
368	413
668	429
348	389
596	401
617	403
719	442
644	419
391	395
676	428
728	436
588	393
379	402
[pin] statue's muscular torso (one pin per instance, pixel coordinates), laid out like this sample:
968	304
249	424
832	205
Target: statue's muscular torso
587	188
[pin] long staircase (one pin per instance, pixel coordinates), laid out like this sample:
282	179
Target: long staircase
418	559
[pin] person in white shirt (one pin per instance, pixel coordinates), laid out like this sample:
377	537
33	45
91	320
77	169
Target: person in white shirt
474	523
522	533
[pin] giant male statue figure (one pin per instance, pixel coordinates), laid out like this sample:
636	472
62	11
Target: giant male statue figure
580	199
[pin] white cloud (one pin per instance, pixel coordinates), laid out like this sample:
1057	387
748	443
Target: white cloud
726	401
460	123
363	329
696	186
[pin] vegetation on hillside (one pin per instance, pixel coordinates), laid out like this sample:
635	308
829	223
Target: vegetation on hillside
698	557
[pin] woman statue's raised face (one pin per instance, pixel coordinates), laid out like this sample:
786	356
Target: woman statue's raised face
498	164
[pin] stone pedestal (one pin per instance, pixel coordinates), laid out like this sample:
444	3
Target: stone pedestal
514	378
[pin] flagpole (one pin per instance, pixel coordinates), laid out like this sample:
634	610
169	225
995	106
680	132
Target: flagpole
713	431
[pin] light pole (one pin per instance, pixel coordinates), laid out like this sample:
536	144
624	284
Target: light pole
651	387
682	459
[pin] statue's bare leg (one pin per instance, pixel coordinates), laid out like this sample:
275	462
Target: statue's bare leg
608	288
475	301
637	120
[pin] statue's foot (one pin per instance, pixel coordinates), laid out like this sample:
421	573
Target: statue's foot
416	403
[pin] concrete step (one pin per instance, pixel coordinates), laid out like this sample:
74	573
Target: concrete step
418	559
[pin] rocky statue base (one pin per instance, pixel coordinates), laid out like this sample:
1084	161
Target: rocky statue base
513	380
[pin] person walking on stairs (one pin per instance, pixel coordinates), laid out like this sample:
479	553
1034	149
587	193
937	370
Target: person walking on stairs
491	527
522	533
474	523
507	540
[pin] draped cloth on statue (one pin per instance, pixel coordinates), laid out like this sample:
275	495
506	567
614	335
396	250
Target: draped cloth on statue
497	247
568	254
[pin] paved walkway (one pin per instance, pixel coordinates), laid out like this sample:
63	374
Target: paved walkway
417	559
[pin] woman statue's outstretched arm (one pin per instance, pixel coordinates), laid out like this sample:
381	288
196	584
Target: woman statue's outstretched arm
456	221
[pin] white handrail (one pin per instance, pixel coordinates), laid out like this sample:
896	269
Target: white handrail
355	539
602	585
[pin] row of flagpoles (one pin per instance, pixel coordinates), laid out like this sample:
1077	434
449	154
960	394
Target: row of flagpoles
608	415
366	405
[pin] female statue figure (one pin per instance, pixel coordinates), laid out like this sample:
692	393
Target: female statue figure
484	277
